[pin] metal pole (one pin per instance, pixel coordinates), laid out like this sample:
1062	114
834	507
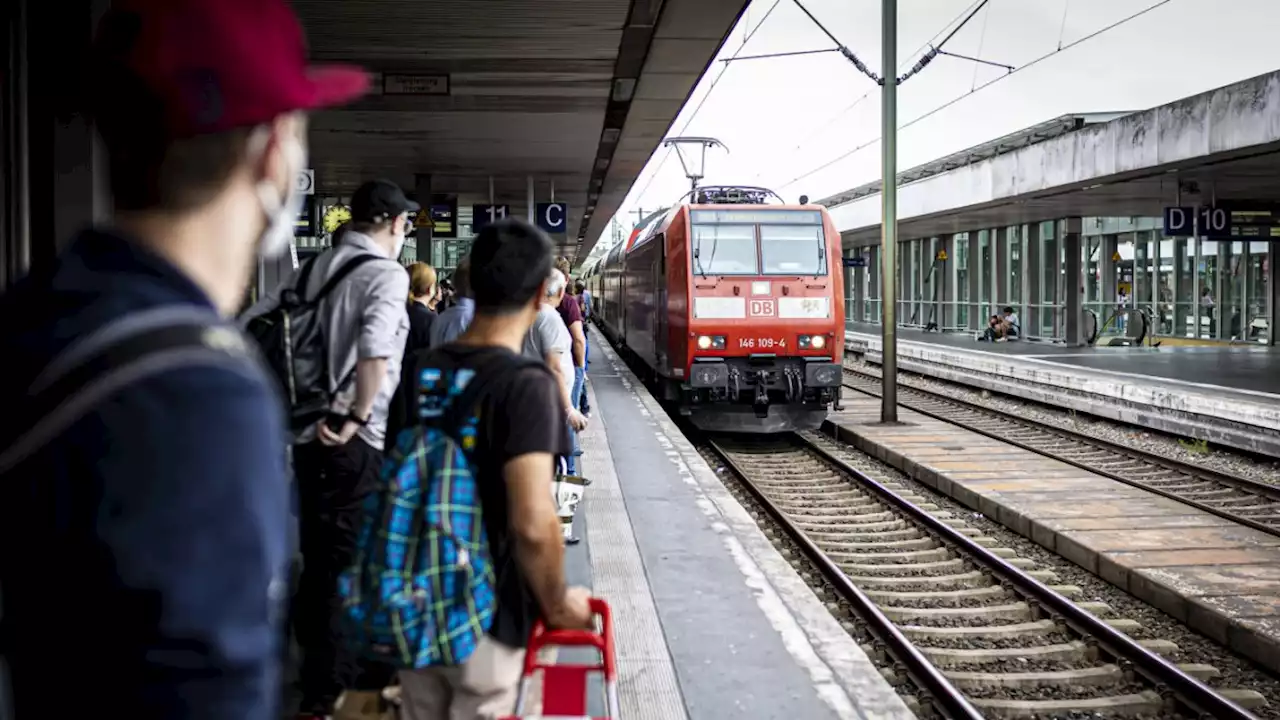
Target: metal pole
490	190
529	198
889	212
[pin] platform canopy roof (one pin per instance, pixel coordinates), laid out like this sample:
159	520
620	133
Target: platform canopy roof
573	93
1216	146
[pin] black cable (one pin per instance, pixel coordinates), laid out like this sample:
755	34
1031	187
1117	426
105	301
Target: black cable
696	110
960	27
867	94
936	50
980	88
846	52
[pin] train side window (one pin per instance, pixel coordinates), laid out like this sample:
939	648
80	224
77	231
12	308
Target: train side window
725	250
793	250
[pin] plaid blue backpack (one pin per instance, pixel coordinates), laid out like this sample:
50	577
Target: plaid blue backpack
420	591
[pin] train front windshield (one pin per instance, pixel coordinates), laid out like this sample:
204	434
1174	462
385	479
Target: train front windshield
758	242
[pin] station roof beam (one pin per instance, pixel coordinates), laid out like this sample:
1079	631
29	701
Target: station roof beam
576	93
1216	146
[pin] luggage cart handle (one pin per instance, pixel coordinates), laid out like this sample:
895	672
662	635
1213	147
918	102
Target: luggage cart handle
602	641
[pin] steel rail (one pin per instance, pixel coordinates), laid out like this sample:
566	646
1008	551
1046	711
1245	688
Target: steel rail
942	694
1269	492
1194	693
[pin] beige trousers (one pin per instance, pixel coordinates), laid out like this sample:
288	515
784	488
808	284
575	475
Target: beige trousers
482	688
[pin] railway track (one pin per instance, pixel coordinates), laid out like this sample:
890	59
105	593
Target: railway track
1241	500
979	630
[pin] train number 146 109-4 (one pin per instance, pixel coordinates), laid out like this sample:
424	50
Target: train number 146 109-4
761	343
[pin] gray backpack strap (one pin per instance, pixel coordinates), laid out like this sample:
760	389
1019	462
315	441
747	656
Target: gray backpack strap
119	354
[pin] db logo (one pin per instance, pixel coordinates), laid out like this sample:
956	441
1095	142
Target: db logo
763	308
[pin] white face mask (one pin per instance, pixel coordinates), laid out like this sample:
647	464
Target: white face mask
281	214
395	255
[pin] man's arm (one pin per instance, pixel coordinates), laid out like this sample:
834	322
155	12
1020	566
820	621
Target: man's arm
196	518
579	344
536	527
384	315
529	424
553	363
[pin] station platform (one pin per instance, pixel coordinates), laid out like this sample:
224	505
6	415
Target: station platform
1238	367
1218	577
1226	395
711	622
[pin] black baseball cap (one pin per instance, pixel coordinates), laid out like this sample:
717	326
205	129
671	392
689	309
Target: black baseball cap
380	200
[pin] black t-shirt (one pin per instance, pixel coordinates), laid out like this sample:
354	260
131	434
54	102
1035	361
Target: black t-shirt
420	319
520	414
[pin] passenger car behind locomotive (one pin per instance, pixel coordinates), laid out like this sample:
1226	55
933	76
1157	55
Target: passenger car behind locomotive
733	306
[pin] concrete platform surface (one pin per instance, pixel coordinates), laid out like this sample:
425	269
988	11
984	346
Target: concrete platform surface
711	622
1218	577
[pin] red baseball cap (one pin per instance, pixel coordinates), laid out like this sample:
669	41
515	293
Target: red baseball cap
214	65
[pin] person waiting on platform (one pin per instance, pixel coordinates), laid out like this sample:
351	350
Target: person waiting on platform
423	292
455	320
994	330
145	521
1010	325
522	433
584	303
549	341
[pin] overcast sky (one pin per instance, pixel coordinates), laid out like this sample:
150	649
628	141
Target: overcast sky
783	118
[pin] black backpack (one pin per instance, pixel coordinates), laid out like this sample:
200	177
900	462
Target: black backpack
292	338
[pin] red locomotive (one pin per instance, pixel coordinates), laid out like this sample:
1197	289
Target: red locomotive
733	307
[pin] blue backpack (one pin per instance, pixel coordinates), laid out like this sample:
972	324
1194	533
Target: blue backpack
420	591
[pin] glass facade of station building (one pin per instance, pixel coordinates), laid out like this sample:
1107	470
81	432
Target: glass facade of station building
1188	290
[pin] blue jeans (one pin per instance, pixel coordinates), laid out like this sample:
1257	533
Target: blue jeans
571	461
575	395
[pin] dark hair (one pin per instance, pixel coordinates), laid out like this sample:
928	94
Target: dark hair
150	168
462	277
370	228
510	259
150	173
1008	309
578	287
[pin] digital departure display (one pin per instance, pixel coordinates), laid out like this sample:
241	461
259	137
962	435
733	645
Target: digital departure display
304	225
757	217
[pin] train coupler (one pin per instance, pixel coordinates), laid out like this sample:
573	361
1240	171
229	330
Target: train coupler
761	402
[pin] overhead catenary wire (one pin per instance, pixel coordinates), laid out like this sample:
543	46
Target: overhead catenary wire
980	88
723	68
982	40
962	17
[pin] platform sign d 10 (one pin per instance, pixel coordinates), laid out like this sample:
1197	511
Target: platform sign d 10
1208	221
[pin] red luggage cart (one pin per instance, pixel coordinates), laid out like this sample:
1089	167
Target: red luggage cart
564	686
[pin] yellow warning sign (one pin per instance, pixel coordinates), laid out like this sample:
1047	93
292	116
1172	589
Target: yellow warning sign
942	254
1115	256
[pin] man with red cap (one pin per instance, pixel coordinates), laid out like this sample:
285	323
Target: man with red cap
145	507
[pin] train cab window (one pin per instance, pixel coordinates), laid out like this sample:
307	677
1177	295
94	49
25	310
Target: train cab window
793	250
725	250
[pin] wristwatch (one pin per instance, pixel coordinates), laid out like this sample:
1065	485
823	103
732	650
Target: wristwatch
362	422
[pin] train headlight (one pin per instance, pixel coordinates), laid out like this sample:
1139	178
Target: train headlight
710	342
812	342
